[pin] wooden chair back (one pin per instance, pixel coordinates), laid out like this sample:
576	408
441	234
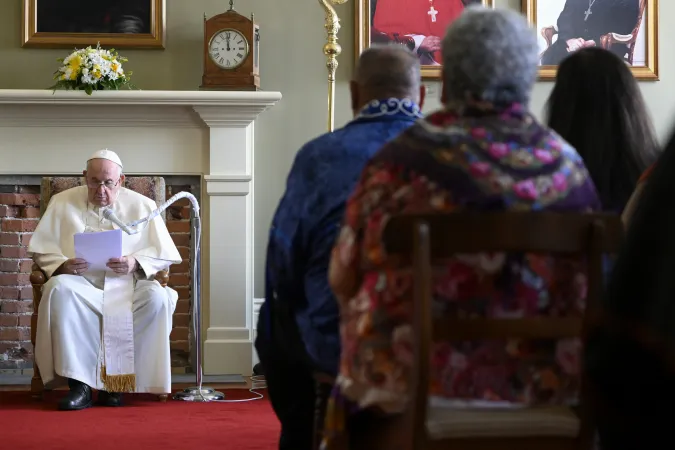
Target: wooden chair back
430	237
152	187
636	31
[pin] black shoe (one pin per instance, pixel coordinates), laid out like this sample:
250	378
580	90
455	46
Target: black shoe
78	398
258	370
109	398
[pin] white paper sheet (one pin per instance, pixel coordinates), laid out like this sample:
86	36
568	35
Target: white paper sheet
97	248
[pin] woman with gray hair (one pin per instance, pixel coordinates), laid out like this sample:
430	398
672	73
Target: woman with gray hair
483	151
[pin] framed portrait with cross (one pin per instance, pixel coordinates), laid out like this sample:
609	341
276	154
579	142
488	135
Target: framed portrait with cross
418	24
628	28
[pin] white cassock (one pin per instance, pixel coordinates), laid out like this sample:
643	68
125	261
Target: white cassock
100	325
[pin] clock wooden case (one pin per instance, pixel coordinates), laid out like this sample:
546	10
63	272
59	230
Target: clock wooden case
231	53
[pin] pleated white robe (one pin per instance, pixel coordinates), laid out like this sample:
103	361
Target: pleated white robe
69	330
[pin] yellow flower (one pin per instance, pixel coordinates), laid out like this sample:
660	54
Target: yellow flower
73	75
97	71
75	63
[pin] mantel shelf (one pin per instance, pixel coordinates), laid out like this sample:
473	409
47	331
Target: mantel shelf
139	97
126	108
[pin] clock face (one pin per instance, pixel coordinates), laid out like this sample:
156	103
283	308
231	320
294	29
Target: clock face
228	49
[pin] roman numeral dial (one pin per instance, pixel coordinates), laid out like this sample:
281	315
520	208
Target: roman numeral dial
228	49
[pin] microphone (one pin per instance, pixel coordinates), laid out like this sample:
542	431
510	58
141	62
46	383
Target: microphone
111	216
130	228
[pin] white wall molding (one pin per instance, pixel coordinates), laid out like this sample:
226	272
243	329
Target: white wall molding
93	116
229	116
191	109
228	184
229	334
257	303
236	100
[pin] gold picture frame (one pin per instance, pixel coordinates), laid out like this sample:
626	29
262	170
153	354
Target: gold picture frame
154	39
648	18
362	38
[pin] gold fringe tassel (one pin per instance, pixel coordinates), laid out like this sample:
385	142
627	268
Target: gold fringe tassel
118	383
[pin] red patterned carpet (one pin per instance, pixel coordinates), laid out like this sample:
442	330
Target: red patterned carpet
143	423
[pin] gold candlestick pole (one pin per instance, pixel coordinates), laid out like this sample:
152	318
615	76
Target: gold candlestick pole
332	50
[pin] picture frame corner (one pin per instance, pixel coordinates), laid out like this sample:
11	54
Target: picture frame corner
31	38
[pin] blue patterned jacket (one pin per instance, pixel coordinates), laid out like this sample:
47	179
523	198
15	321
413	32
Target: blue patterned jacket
308	219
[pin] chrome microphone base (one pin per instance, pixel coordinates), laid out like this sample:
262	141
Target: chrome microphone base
192	394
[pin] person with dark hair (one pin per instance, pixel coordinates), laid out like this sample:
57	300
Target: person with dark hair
582	23
99	16
634	200
596	105
298	333
630	354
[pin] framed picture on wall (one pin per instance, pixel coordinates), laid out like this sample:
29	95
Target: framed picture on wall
418	24
629	28
78	23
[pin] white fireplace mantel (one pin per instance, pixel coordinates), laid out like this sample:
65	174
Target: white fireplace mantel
127	108
205	133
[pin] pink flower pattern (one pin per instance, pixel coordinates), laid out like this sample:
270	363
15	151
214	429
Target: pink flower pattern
526	189
376	319
498	150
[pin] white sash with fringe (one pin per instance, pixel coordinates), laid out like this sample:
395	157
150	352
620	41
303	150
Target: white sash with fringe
117	372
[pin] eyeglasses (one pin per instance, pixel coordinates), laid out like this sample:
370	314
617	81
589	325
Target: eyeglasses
97	184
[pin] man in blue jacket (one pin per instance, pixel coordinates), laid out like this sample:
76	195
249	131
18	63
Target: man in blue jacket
298	333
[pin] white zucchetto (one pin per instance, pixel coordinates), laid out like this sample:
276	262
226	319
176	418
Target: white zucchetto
107	154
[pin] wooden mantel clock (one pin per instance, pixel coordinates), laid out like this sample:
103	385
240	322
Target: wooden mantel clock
231	52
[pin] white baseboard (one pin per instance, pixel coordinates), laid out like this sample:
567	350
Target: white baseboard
257	303
229	350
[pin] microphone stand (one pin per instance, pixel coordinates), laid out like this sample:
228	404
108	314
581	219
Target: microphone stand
197	393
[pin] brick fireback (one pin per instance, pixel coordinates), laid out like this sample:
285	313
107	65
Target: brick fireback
19	212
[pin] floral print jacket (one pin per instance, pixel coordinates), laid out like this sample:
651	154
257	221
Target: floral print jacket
482	158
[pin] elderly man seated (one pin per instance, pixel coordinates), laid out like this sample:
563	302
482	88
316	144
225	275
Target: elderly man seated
103	329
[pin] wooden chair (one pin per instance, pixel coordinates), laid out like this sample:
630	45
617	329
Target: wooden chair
609	39
440	236
152	187
323	385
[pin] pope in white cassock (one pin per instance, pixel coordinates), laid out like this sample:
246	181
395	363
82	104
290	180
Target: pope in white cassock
107	330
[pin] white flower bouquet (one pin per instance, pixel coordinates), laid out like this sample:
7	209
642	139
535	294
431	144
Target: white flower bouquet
92	69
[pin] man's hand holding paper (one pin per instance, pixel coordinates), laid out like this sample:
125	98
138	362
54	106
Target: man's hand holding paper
74	266
124	265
